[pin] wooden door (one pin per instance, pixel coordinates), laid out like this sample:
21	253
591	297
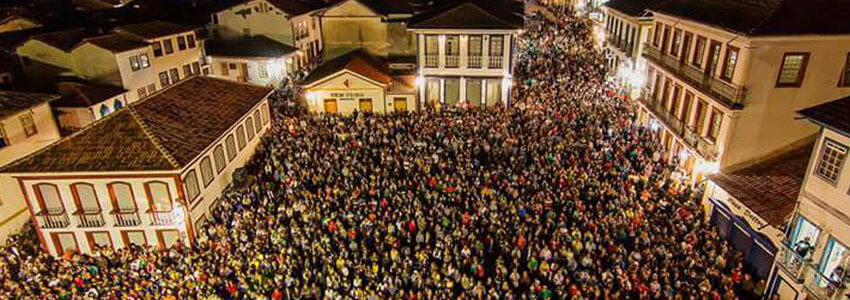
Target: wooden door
330	106
713	58
366	105
243	72
686	48
400	104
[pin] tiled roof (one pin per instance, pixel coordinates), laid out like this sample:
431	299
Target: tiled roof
834	114
634	8
296	7
765	17
153	29
769	188
358	61
63	40
14	102
83	94
115	42
255	46
162	133
472	14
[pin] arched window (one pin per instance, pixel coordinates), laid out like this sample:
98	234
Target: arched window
122	197
49	198
104	110
118	104
191	182
206	171
159	196
85	198
249	124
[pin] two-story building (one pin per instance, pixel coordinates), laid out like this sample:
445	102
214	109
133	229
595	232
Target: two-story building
466	52
378	26
726	77
147	174
26	125
627	25
290	22
257	59
814	258
175	48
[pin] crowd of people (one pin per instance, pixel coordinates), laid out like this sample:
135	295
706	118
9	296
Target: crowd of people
562	195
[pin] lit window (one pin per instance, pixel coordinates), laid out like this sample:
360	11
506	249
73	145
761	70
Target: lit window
258	122
187	70
175	75
143	93
28	125
206	171
264	73
181	43
792	70
249	124
729	63
159	196
191	40
191	183
163	79
830	162
218	154
240	137
157	49
104	110
85	198
231	147
169	48
144	61
134	63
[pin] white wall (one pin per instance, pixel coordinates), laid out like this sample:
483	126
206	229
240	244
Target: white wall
277	68
346	97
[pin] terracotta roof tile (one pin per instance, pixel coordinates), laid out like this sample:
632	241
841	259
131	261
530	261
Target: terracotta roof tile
14	102
472	14
358	61
255	46
834	114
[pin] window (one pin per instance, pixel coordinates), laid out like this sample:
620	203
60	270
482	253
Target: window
700	117
187	70
264	73
157	49
431	51
143	93
181	43
845	75
191	183
473	92
264	112
117	105
716	121
134	237
729	63
687	108
232	66
85	198
699	51
104	110
656	34
665	37
476	47
151	88
240	137
497	50
169	48
831	160
249	124
493	91
677	42
218	155
206	171
196	68
231	147
134	63
49	198
175	75
159	196
99	239
832	261
225	71
4	141
452	51
28	125
163	79
793	69
804	236
258	123
144	61
122	197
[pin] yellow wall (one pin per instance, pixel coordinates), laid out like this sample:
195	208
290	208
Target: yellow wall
96	64
273	24
351	25
347	98
18	24
46	62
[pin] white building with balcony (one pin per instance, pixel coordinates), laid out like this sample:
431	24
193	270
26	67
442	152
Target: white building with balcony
627	25
146	174
466	52
814	258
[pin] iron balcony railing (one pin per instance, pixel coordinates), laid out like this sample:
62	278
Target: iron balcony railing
90	219
704	147
127	218
159	218
622	44
822	286
53	218
452	61
432	60
792	262
495	62
474	61
731	95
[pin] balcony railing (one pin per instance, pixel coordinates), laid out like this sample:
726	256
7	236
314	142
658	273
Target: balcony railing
432	60
126	218
162	218
495	62
824	287
621	44
474	61
452	61
792	262
90	219
730	94
53	218
707	149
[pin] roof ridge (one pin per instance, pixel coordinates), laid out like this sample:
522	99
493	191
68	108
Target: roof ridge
154	140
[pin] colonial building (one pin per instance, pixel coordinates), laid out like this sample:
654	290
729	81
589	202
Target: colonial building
378	26
723	91
814	257
357	81
258	59
290	22
466	52
26	125
147	174
175	48
627	25
119	60
84	102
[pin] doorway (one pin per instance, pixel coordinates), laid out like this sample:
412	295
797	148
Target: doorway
330	106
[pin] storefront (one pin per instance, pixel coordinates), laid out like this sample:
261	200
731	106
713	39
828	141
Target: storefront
757	248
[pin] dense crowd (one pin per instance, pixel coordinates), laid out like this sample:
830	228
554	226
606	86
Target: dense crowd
560	196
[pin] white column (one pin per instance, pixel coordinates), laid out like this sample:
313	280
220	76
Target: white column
462	89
